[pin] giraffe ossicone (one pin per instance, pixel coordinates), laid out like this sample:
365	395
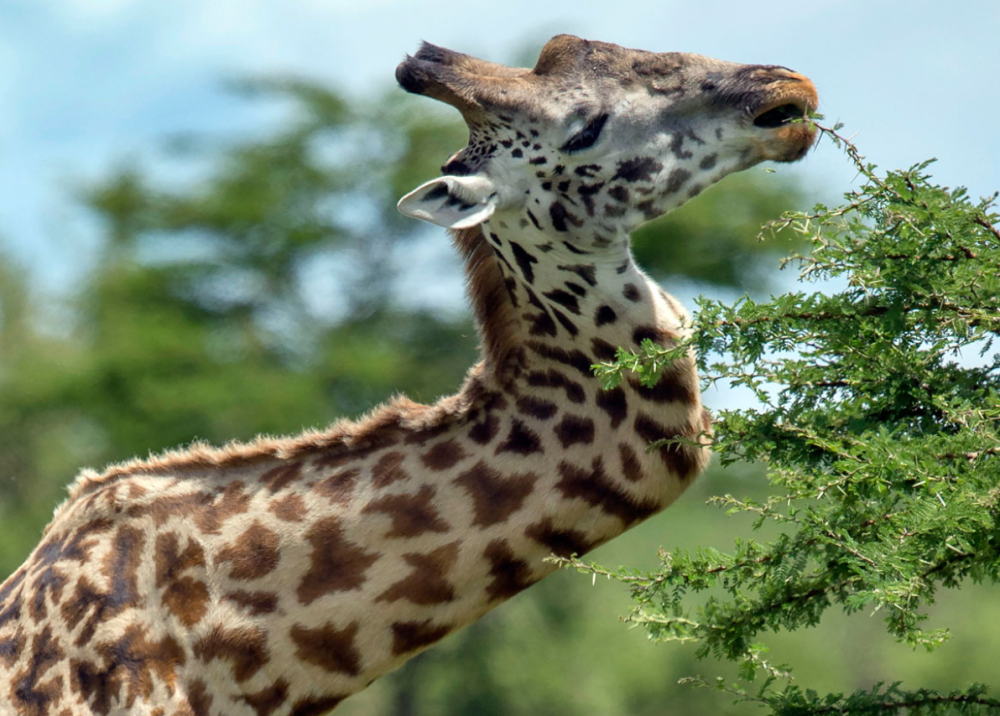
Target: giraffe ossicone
283	575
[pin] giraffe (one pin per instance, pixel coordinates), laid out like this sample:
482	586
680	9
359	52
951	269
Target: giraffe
282	575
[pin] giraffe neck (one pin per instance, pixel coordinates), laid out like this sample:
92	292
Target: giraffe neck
530	289
591	299
293	573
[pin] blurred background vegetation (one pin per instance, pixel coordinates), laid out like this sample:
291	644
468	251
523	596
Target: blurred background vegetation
277	288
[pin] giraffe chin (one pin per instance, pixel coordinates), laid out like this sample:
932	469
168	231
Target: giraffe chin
789	143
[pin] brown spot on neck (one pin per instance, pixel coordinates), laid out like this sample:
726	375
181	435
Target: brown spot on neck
562	542
410	636
329	648
278	478
443	455
338	487
521	440
411	515
252	554
291	508
495	497
244	648
427	584
184	595
268	700
389	469
338	565
510	574
596	488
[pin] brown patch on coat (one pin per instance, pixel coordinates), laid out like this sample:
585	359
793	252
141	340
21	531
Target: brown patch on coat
11	592
338	565
614	403
562	542
483	432
510	574
631	466
605	315
339	454
30	694
73	610
280	477
208	510
389	469
127	670
425	435
495	497
291	508
316	706
47	580
597	489
183	595
198	698
574	429
603	351
252	554
120	568
268	700
244	648
254	603
328	647
574	358
427	584
11	647
552	378
536	407
339	486
443	455
411	515
521	440
674	386
682	460
658	335
410	636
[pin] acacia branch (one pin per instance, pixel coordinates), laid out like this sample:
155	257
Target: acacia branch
988	226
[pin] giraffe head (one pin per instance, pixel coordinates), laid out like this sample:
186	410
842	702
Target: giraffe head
597	139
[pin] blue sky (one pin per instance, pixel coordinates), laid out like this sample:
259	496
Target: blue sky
87	83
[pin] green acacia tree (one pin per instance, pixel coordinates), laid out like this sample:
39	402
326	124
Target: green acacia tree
878	421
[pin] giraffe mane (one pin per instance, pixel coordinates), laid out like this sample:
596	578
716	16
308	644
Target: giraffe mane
491	305
381	426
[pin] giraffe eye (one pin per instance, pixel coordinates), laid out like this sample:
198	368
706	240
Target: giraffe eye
586	137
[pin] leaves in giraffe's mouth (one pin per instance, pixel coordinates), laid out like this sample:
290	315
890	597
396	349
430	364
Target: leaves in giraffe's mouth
779	115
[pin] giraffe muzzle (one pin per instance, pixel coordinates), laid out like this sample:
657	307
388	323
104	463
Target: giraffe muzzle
784	117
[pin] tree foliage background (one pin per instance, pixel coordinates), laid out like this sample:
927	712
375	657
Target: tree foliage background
272	293
879	423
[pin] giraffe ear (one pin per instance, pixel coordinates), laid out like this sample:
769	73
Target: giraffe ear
452	201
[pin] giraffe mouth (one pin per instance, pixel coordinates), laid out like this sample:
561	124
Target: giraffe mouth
786	137
781	115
